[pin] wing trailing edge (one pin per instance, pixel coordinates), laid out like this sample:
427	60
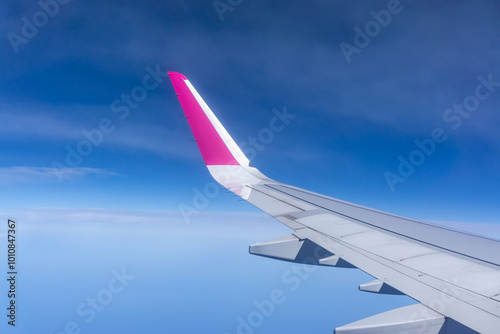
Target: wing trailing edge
413	319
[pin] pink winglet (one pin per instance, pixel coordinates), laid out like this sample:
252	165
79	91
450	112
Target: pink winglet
212	147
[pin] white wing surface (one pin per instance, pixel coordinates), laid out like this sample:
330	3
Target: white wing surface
454	276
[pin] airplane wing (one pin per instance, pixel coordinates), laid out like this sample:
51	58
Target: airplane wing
454	276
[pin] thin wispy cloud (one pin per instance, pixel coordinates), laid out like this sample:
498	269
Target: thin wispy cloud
25	174
33	121
241	224
97	215
29	122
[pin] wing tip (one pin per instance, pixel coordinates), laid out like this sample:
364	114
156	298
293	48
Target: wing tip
176	75
210	135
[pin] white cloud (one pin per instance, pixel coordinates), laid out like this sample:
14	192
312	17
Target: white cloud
233	225
21	174
117	216
93	215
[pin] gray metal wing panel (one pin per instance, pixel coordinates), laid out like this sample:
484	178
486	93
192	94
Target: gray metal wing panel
479	248
404	253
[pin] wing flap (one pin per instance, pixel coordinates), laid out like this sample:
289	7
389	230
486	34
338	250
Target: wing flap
290	248
379	287
413	319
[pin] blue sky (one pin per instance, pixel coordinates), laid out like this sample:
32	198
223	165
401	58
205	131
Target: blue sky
118	206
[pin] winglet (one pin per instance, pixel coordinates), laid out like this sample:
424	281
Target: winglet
215	144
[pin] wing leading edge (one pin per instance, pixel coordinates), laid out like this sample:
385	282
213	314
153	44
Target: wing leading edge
454	276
